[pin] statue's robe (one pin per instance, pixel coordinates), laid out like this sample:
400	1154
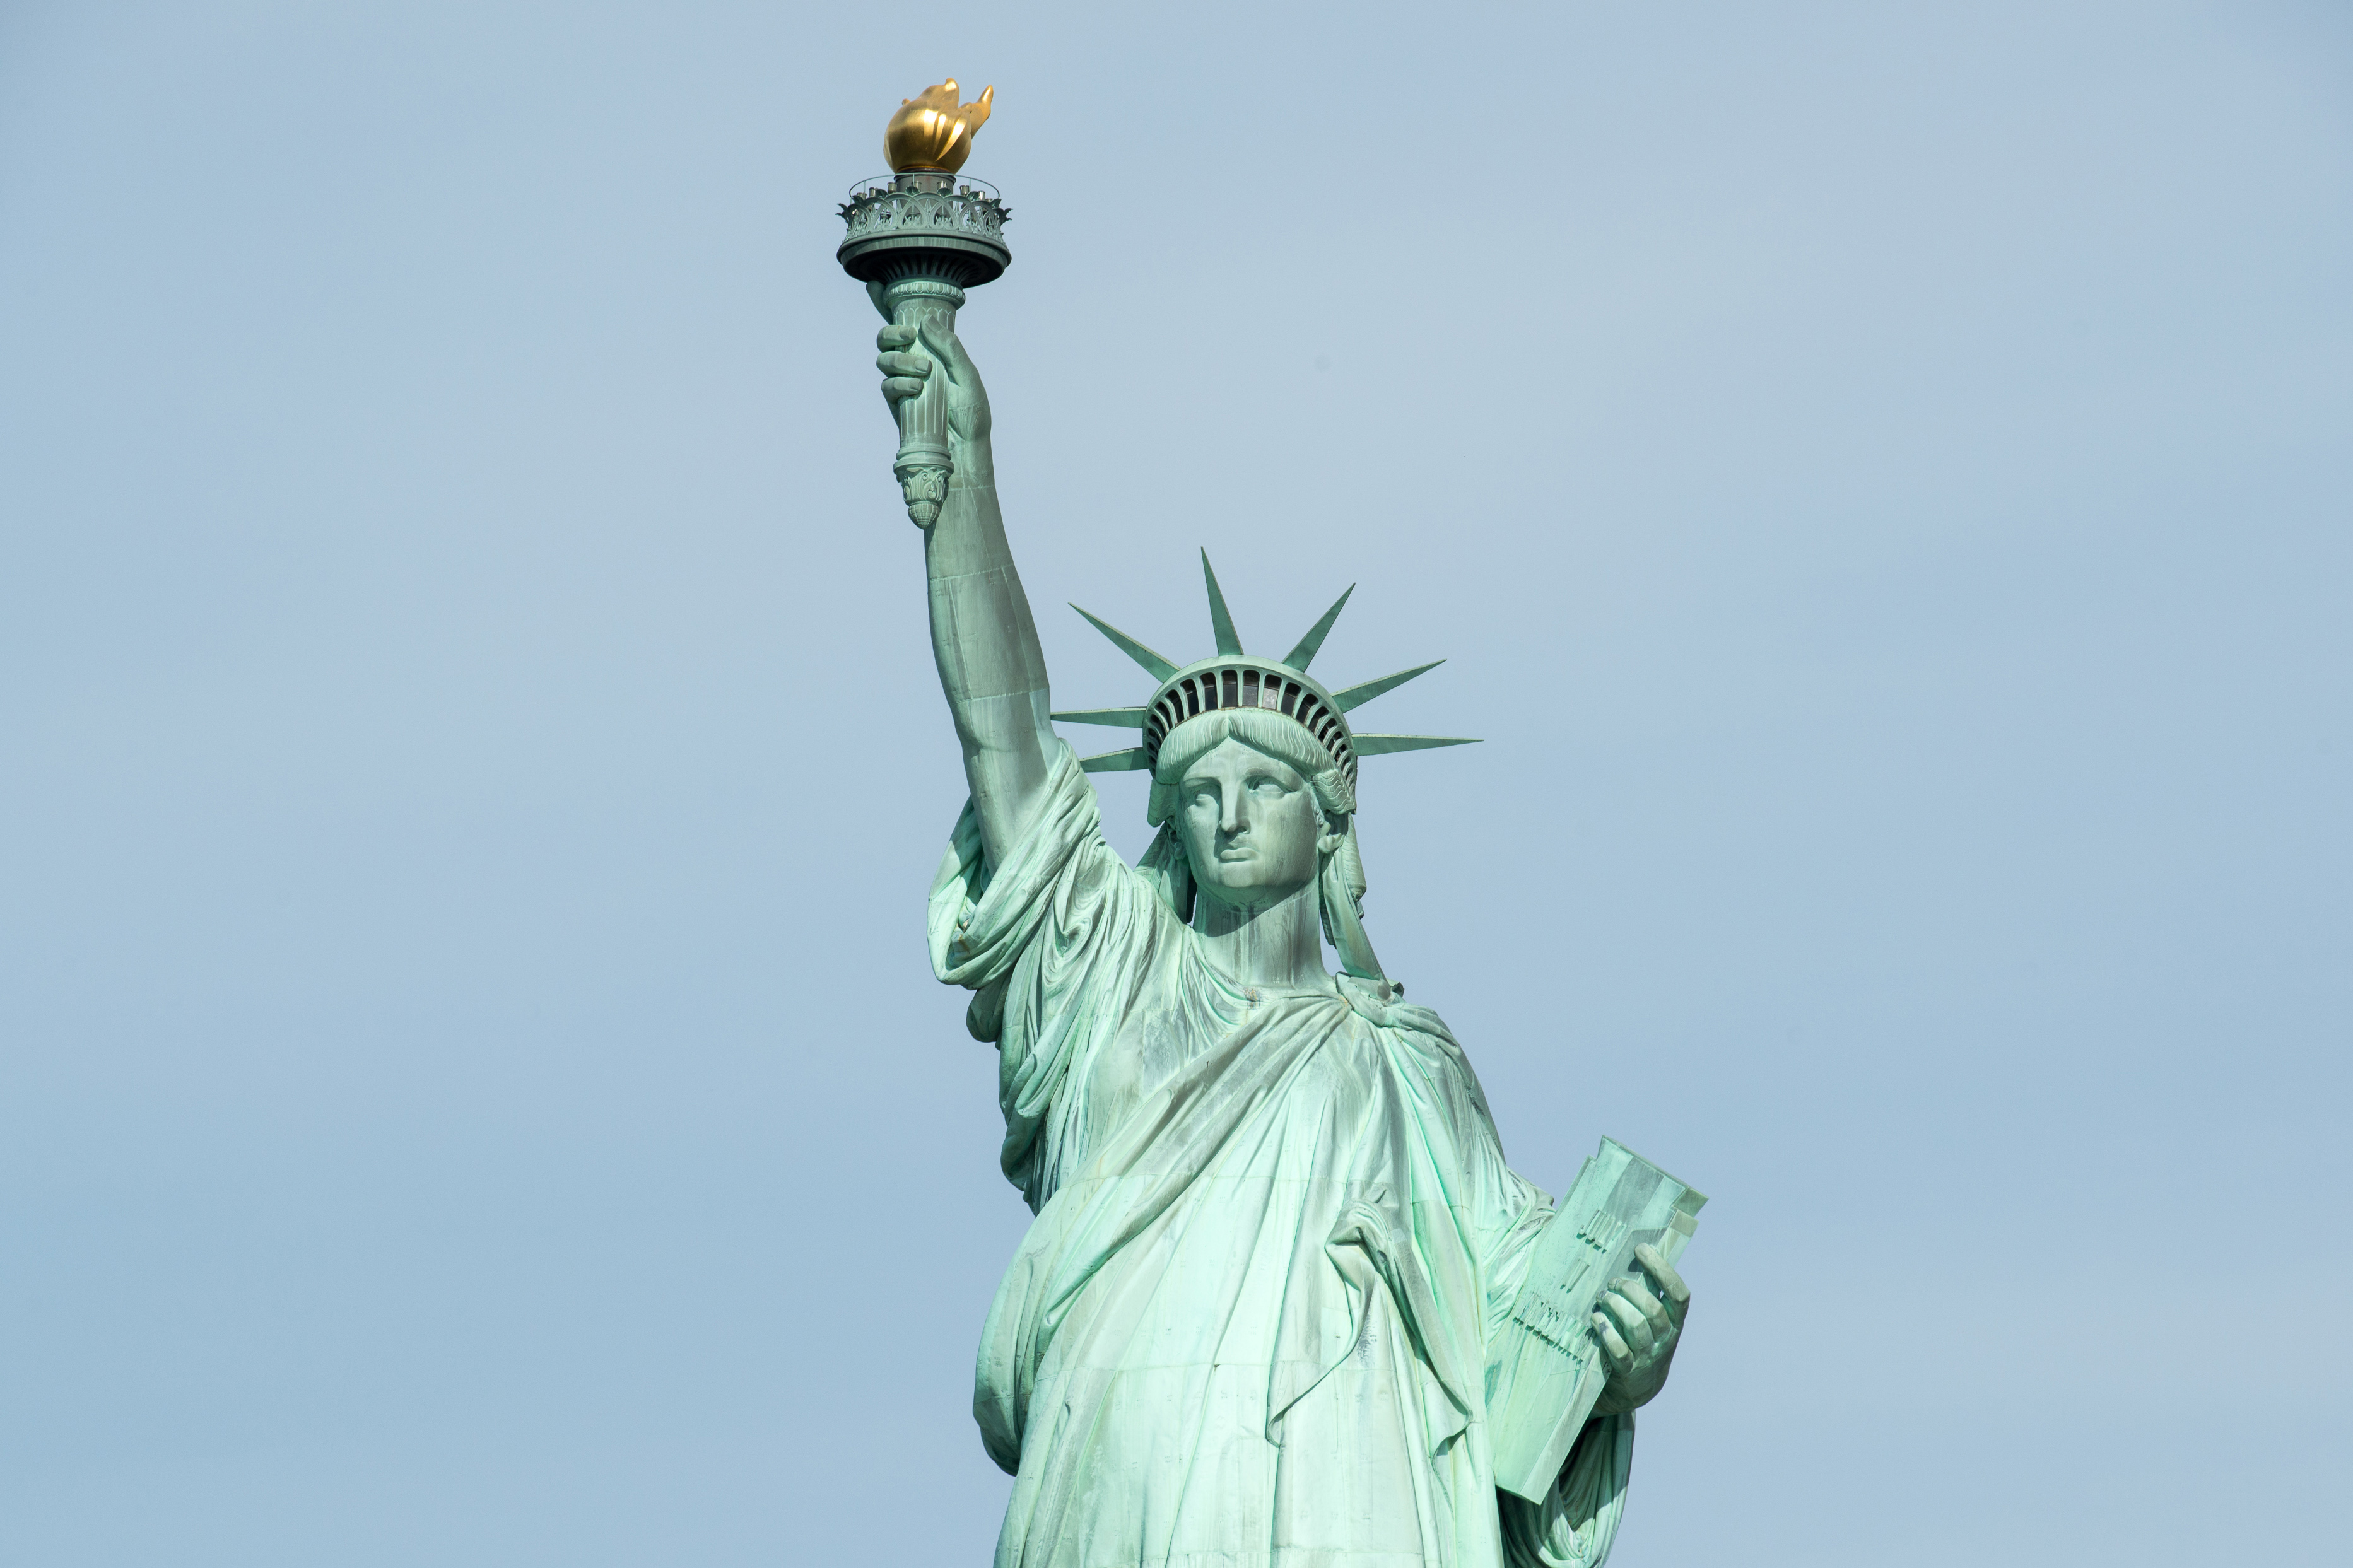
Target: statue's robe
1274	1235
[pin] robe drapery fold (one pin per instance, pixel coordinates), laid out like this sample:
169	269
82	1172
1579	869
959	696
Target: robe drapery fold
1275	1233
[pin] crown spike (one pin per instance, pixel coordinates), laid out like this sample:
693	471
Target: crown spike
1299	659
1160	669
1123	718
1221	620
1131	761
1383	745
1364	692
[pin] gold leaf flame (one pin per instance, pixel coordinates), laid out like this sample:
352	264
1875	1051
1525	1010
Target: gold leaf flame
931	131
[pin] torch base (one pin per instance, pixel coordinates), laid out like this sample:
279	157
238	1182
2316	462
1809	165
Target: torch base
925	224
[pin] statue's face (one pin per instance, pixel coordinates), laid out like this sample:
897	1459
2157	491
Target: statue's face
1250	826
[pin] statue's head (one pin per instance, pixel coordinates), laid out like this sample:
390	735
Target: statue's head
1253	772
1243	799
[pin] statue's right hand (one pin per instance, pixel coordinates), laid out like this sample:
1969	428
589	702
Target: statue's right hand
909	360
903	373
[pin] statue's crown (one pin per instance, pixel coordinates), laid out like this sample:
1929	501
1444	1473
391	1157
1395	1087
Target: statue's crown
1232	678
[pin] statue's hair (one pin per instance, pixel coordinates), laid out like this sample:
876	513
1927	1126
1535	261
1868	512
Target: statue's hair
1340	878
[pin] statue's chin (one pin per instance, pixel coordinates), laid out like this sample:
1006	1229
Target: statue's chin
1246	892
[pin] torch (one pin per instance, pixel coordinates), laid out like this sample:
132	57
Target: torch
919	241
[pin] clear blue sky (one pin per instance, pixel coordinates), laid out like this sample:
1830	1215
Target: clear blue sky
470	1088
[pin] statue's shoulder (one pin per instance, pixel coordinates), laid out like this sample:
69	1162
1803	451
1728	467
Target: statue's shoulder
1425	1037
1383	1003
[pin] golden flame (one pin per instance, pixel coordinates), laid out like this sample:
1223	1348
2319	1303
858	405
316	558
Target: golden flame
930	131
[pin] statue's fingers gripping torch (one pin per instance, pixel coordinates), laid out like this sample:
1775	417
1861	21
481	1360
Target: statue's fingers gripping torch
922	239
924	461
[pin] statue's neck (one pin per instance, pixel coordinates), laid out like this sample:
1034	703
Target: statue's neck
1280	945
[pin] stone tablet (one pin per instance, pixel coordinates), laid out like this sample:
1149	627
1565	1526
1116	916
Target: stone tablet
1546	1372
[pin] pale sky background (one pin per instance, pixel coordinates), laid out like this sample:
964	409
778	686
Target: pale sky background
472	1091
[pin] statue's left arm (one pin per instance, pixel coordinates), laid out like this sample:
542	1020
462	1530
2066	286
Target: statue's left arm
984	638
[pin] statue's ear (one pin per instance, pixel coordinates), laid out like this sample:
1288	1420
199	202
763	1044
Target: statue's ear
1331	830
1334	796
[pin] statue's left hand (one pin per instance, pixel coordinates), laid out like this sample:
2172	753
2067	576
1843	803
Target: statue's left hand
1638	1324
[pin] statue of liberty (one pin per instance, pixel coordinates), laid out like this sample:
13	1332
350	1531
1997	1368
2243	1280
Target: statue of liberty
1275	1235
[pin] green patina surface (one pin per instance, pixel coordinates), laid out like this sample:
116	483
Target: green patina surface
1284	1303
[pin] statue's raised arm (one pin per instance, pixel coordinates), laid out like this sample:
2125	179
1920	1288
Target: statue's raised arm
983	635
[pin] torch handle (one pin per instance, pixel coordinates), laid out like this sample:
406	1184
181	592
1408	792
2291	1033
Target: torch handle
924	461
